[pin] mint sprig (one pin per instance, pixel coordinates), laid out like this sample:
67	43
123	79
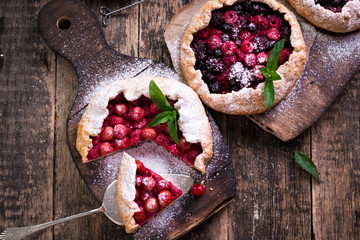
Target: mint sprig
169	113
270	74
307	164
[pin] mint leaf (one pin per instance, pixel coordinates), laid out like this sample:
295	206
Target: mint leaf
160	118
269	92
173	127
274	76
307	164
272	63
158	97
265	72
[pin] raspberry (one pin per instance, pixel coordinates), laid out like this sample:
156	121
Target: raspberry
257	74
240	55
214	31
229	60
214	42
229	48
214	65
284	55
246	46
230	17
198	190
250	60
203	33
274	22
245	35
261	22
261	58
273	34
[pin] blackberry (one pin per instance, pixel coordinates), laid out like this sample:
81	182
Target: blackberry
200	64
225	37
235	73
236	87
260	44
199	47
215	87
208	76
214	65
227	27
217	19
238	9
210	52
259	8
246	6
285	32
238	42
235	36
251	27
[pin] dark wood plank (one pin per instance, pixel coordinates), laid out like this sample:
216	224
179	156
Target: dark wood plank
27	101
335	151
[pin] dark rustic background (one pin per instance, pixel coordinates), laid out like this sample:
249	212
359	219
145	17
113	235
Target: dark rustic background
276	199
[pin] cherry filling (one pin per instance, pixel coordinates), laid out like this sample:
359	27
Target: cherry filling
153	193
237	42
332	5
126	126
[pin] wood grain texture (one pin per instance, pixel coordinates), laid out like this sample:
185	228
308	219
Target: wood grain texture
336	152
27	100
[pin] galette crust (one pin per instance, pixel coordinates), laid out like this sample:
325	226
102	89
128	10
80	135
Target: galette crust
247	100
345	21
192	122
126	191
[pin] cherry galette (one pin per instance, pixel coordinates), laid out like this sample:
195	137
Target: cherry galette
118	116
227	42
332	15
141	193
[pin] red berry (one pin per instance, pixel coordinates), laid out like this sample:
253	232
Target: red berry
165	198
261	22
284	55
136	102
113	120
93	154
274	22
149	133
148	184
96	140
137	114
141	124
192	153
198	189
230	17
107	135
229	60
214	42
184	145
140	168
247	46
240	55
214	31
120	144
120	131
221	78
110	108
137	195
105	148
162	184
144	196
120	109
138	181
273	34
135	137
175	149
140	216
258	75
118	98
261	58
250	60
152	205
162	140
203	33
229	48
154	109
129	125
166	128
245	35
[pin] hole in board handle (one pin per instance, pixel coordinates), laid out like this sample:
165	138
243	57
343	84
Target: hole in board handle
63	23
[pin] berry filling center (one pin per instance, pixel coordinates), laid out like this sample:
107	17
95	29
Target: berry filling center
237	42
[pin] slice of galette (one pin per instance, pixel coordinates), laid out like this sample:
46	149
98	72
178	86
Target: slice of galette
332	15
118	116
141	193
227	42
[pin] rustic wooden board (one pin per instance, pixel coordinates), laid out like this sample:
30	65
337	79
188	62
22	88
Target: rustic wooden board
333	59
96	64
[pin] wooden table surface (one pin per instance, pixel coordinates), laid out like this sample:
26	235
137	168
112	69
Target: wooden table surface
276	199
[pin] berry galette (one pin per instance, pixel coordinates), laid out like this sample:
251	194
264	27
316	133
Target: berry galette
332	15
118	116
141	193
227	42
